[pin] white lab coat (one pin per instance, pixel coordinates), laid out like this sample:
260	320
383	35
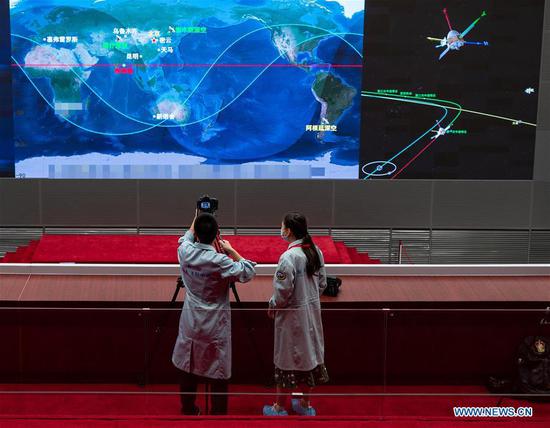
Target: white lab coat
203	346
299	343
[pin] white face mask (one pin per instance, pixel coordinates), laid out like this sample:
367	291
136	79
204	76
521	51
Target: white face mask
285	237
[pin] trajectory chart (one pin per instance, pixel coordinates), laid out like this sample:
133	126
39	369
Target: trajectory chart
451	89
187	89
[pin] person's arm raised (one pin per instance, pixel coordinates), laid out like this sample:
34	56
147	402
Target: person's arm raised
234	266
230	251
190	234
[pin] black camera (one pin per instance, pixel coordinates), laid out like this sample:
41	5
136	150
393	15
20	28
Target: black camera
206	204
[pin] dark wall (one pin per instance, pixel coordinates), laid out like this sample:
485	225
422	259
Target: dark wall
362	347
250	203
542	148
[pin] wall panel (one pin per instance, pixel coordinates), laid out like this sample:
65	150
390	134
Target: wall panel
482	204
89	202
263	203
374	204
172	203
19	202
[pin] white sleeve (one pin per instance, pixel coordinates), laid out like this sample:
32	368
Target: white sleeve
188	237
241	271
283	283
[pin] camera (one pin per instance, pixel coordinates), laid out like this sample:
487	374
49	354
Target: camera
206	204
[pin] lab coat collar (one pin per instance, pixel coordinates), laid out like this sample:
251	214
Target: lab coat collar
297	242
205	246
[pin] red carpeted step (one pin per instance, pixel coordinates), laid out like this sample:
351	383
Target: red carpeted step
22	254
268	249
106	249
355	256
350	255
28	252
343	251
9	257
19	255
157	248
361	258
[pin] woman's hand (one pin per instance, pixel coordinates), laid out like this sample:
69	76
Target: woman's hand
229	250
271	313
226	246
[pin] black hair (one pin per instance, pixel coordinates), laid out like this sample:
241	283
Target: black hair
206	228
297	223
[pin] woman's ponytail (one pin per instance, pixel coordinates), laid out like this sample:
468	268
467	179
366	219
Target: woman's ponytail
297	224
313	260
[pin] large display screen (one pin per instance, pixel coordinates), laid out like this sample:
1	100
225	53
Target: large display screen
269	88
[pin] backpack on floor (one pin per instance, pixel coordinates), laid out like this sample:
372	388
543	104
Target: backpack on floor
333	286
534	366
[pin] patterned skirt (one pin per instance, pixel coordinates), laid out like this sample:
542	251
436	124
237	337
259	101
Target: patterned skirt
291	379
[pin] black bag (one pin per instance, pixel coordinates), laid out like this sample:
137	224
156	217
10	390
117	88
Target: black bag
498	385
534	365
333	286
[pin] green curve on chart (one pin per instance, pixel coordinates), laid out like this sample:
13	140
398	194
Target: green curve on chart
461	109
412	100
153	125
415	100
422	135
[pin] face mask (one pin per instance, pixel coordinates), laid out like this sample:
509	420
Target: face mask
285	237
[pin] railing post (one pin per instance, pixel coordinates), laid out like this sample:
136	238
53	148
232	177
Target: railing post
400	251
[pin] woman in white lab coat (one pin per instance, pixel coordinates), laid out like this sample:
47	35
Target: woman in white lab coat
295	306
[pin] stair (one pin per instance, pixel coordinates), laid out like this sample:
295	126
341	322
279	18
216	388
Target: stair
13	238
19	245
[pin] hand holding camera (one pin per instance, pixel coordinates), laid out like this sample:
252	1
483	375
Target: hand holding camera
206	204
209	205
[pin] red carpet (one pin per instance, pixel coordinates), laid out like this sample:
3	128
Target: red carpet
130	406
160	249
258	422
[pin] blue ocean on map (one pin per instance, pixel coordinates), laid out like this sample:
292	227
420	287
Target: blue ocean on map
211	82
